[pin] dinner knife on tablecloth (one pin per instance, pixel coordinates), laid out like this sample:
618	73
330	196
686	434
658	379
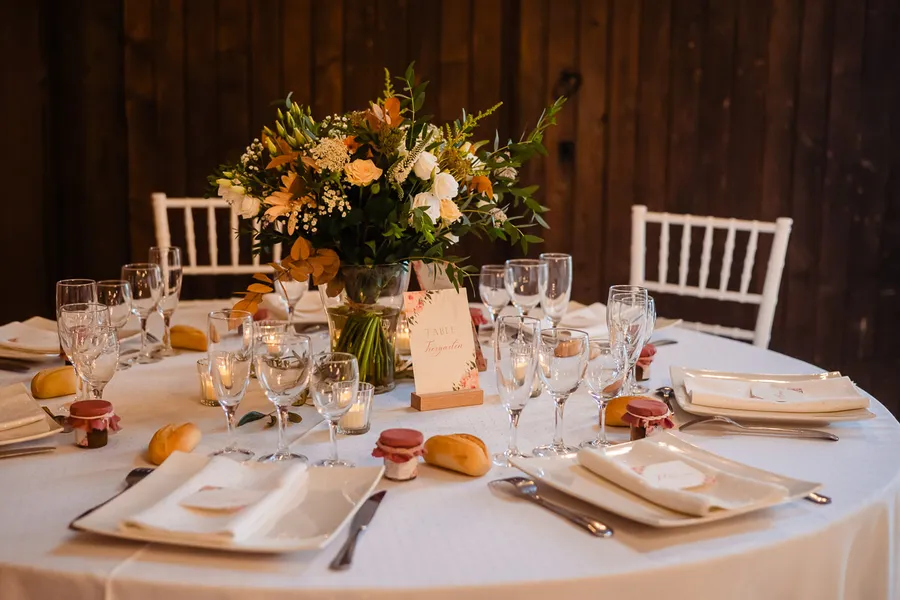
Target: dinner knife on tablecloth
359	524
26	451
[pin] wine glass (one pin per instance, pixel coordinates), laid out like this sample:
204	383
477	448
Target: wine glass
555	297
291	293
169	260
626	318
334	385
96	352
562	362
492	289
649	325
282	367
605	376
74	321
146	284
515	361
526	281
230	352
75	291
115	294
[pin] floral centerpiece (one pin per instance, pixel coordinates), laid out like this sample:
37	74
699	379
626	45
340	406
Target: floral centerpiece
358	196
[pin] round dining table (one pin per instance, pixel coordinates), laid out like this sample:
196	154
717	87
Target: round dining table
446	535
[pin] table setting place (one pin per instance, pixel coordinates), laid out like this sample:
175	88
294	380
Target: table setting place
491	436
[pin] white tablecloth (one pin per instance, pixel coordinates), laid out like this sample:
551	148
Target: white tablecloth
448	536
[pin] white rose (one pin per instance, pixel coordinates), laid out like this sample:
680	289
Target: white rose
425	165
247	208
430	203
445	187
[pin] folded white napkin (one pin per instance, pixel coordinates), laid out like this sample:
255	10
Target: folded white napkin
309	310
677	482
813	395
225	500
37	334
591	319
18	408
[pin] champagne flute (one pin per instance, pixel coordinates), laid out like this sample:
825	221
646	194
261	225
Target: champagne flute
96	352
604	377
73	322
334	385
626	320
526	281
230	353
169	260
515	361
291	293
556	294
282	367
562	362
492	289
116	295
146	284
74	291
649	325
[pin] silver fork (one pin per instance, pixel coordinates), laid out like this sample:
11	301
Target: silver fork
813	434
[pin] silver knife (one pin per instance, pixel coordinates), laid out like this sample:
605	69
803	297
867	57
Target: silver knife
26	451
359	524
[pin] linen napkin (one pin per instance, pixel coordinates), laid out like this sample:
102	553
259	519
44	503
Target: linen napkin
309	310
809	396
677	482
590	319
18	408
36	335
224	501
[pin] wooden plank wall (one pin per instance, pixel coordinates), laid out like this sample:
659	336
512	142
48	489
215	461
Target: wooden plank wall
744	108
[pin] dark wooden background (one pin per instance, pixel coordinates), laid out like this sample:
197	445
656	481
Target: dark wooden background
745	108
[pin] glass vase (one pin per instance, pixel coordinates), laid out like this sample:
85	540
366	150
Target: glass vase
363	305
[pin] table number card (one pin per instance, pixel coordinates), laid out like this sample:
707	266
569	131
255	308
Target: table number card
441	343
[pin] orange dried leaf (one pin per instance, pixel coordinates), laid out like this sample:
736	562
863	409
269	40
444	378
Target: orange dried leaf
247	305
301	249
260	288
335	287
281	160
262	277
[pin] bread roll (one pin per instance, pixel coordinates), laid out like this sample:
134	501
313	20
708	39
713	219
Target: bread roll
170	438
188	338
615	410
458	452
53	383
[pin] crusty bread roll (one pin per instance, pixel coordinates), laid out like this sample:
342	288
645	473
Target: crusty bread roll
458	452
53	383
170	438
188	338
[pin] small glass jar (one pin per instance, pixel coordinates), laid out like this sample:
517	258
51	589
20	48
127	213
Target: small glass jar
207	391
356	420
92	420
647	415
400	449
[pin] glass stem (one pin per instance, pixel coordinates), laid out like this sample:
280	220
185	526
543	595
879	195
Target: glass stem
143	321
602	437
631	379
281	412
514	431
558	420
332	433
81	387
229	424
167	339
290	315
96	392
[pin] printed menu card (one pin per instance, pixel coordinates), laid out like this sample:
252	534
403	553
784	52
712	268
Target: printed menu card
440	340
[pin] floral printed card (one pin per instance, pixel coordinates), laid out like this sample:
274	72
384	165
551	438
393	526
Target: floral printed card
440	340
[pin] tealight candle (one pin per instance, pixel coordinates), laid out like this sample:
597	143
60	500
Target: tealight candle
356	420
403	339
207	391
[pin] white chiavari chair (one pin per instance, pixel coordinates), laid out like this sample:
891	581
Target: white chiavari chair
767	300
211	206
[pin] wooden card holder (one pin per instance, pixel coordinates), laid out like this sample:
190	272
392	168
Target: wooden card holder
439	400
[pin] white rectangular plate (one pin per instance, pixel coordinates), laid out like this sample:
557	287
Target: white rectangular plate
32	431
333	497
684	399
569	477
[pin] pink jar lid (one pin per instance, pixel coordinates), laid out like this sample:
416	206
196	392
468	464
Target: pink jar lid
647	407
401	438
87	409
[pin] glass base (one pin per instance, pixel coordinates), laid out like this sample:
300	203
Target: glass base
555	450
334	463
123	365
238	454
595	444
283	457
161	351
638	389
501	459
145	360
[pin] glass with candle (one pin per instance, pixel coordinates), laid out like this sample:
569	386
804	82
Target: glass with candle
207	391
356	420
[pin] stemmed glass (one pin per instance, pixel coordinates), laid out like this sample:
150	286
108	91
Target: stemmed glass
74	322
556	294
526	281
146	284
515	361
649	325
626	317
562	361
115	294
74	291
492	289
282	367
169	260
334	385
230	352
604	377
96	352
291	293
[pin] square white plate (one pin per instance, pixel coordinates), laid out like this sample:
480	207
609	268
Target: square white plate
333	497
684	399
567	476
32	431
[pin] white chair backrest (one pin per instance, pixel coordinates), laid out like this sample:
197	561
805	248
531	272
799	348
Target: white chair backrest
767	301
234	266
